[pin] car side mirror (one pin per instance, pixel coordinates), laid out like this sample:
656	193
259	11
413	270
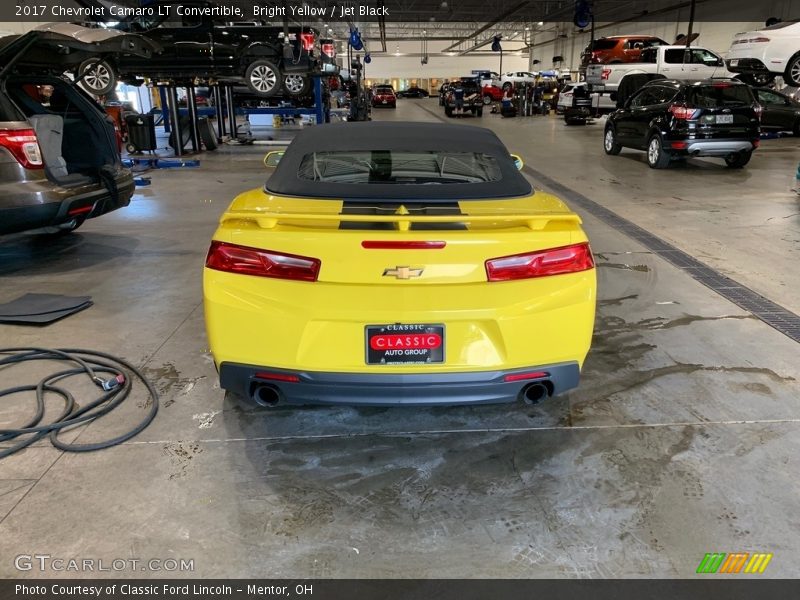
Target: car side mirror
518	162
272	159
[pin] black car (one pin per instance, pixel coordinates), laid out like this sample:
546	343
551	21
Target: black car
413	92
198	47
463	96
672	119
780	112
59	154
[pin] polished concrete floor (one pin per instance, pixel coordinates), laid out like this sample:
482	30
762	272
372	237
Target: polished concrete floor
684	437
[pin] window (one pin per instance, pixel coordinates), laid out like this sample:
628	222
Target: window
704	57
676	56
604	44
399	167
653	96
719	96
649	55
765	97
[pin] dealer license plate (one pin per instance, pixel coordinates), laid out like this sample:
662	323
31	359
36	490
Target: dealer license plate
735	62
401	344
724	119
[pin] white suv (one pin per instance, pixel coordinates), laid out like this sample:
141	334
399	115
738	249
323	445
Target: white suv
763	54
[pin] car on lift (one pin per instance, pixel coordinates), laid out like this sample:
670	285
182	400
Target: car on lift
618	49
508	80
761	55
413	92
393	263
59	152
383	96
780	112
676	119
196	46
491	93
472	99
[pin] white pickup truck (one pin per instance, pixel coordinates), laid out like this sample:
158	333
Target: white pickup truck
673	62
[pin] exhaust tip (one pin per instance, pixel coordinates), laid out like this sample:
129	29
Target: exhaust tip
266	395
535	393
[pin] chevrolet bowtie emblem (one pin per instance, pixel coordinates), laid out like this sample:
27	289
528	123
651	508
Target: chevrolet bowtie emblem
403	272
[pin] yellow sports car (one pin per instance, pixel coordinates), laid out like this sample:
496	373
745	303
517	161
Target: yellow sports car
398	263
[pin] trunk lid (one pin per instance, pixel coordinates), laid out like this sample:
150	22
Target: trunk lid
398	244
722	110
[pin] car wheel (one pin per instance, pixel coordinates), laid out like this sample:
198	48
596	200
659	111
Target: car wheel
738	161
263	78
656	157
487	100
97	77
792	74
448	111
131	148
610	144
296	84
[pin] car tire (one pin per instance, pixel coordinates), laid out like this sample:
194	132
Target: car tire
97	76
738	161
610	144
131	148
792	74
487	100
479	112
263	78
448	111
657	157
296	85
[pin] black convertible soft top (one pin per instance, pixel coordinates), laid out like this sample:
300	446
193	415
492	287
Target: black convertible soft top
397	136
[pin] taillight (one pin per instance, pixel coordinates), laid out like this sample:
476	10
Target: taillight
307	40
329	50
606	74
243	260
555	261
287	377
683	113
23	145
525	376
759	40
759	110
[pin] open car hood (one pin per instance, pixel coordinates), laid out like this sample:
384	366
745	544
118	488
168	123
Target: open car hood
57	47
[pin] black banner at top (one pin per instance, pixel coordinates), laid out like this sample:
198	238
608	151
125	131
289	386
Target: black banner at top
420	11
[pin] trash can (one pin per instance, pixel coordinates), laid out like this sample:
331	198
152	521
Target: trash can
141	133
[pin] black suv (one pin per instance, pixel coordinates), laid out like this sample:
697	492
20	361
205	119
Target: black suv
672	119
199	47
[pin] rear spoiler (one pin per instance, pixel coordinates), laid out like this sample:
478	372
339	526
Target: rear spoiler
402	222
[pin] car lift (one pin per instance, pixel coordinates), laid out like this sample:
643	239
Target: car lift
226	119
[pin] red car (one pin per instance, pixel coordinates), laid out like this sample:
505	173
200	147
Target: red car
383	95
618	49
491	93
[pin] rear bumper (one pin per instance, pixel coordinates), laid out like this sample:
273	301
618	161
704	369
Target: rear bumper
363	389
716	147
747	65
32	204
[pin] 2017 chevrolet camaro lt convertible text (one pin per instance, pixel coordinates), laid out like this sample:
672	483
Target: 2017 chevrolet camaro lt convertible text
398	263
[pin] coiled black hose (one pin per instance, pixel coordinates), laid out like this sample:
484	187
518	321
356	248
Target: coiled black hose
116	389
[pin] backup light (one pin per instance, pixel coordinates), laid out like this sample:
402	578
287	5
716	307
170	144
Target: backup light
232	258
543	263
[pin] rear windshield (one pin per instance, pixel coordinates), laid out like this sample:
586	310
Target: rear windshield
604	44
384	90
399	167
719	96
781	25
